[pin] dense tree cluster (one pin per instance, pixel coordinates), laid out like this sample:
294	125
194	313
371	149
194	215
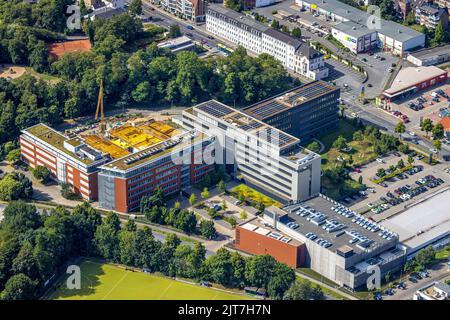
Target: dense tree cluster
33	246
155	209
151	75
14	186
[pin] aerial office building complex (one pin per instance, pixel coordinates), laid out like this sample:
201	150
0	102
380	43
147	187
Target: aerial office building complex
335	241
263	155
122	165
295	55
305	112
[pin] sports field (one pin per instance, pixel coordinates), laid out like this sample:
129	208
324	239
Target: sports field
107	282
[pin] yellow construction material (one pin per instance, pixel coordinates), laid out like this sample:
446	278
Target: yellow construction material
129	136
105	146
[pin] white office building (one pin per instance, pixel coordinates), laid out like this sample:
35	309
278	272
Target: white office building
258	38
264	156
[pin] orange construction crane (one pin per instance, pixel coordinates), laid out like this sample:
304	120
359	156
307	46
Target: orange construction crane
100	108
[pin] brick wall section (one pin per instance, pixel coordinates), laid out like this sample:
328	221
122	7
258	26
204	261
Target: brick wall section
255	243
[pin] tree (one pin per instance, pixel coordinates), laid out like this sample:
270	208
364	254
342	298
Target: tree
410	160
41	173
296	32
314	146
106	238
127	247
174	31
340	143
186	221
221	186
303	290
427	126
400	128
147	250
439	34
259	270
218	267
14	186
438	131
13	156
205	193
243	215
19	287
425	256
207	229
381	172
400	164
135	7
437	144
275	24
282	279
285	29
224	205
192	199
410	18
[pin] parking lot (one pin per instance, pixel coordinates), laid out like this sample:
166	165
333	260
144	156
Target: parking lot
381	201
432	103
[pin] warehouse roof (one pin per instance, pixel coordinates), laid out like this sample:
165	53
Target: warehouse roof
321	213
388	28
409	77
353	29
422	223
430	53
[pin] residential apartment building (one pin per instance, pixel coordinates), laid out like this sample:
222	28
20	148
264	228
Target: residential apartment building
193	10
430	16
442	3
263	155
258	38
304	112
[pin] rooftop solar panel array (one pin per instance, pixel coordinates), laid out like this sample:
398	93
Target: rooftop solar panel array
274	136
250	126
215	108
291	99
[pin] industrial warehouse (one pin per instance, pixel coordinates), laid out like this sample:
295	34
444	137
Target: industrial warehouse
327	237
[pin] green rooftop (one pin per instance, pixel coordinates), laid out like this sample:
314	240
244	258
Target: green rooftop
54	139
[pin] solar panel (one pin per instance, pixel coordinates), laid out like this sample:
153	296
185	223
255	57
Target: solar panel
215	109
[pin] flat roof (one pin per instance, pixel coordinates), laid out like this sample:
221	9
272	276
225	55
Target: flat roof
246	123
422	223
430	53
53	138
289	99
155	151
263	228
411	76
322	205
388	28
353	29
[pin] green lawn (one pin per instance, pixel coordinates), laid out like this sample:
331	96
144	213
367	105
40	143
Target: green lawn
443	254
109	282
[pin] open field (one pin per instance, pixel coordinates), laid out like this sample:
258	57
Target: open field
108	282
11	71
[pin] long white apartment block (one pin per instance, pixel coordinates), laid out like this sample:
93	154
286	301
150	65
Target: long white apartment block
256	37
